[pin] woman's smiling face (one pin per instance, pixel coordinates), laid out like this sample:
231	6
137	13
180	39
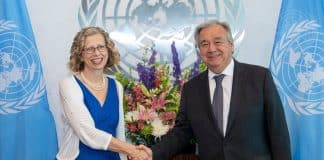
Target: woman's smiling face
95	52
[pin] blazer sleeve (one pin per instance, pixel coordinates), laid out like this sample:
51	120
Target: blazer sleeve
178	138
276	121
78	116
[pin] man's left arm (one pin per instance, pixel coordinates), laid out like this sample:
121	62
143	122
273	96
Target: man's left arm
276	121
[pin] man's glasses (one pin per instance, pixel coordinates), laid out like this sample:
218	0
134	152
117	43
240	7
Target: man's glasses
90	50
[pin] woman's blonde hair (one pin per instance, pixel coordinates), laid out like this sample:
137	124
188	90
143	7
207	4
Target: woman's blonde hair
76	63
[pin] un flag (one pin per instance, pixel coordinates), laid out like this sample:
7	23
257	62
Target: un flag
297	65
27	128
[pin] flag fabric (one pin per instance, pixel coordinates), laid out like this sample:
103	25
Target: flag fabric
297	65
27	128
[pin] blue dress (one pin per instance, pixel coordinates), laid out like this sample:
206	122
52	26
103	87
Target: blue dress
105	118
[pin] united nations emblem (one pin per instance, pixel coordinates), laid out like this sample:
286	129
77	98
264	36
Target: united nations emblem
137	24
21	81
298	65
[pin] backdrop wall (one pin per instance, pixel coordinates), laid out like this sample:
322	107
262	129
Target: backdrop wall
56	22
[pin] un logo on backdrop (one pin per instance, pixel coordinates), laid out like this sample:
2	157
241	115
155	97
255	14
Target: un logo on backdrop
20	76
298	64
137	24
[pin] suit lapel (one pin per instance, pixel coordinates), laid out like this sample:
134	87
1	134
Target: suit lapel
237	88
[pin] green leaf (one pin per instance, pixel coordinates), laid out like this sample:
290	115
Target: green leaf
121	78
147	130
172	107
145	91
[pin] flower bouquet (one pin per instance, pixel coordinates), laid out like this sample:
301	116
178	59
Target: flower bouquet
152	101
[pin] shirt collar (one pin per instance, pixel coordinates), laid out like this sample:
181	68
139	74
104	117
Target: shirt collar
228	71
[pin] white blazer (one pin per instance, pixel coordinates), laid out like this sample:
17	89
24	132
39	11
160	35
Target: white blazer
79	125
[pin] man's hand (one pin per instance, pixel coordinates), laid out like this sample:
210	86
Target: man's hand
147	150
139	154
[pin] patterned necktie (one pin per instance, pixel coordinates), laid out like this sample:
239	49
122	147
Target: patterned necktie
218	102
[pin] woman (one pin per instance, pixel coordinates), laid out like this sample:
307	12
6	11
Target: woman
92	102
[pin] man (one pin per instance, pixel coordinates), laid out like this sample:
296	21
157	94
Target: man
250	124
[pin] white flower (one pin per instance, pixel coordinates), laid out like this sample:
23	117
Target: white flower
131	116
159	129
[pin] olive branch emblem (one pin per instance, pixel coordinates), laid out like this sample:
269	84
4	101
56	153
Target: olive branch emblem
25	103
302	107
234	14
88	12
6	25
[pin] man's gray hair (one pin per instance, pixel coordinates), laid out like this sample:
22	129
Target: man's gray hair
213	23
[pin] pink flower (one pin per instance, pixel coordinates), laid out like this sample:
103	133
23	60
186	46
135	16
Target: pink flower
167	117
131	104
151	103
159	103
132	127
146	114
138	94
141	124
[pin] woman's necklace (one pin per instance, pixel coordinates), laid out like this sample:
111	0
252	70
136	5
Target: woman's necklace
97	87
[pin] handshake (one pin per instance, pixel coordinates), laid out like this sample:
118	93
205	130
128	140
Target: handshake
141	152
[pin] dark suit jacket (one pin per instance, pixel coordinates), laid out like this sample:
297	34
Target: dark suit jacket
256	129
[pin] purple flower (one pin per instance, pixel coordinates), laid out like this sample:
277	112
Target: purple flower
176	64
195	70
152	58
146	75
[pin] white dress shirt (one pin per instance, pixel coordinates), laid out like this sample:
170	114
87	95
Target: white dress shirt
227	90
79	125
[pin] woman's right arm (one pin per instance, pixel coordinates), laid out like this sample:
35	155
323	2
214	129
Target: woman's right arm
80	120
